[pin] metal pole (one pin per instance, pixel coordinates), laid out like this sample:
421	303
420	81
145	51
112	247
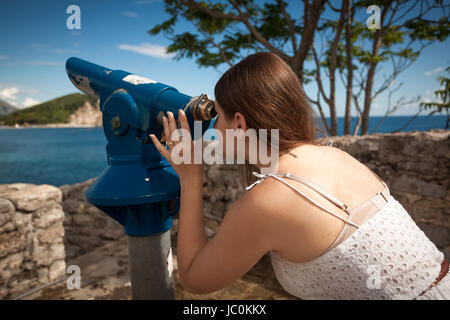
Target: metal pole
150	268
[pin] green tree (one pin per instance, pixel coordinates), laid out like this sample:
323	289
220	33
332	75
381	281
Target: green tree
442	94
399	41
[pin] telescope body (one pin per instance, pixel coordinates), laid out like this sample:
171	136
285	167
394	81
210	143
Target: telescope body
138	188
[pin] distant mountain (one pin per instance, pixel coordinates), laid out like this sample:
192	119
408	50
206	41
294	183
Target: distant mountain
6	108
76	108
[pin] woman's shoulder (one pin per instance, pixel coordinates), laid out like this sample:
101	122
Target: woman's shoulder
333	170
307	161
275	202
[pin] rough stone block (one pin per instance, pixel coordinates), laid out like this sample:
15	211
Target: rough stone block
11	265
21	219
82	219
49	214
73	206
411	184
42	274
7	227
429	211
44	256
52	234
32	197
6	211
11	242
57	270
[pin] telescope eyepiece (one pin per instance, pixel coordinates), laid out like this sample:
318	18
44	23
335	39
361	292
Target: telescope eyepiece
202	108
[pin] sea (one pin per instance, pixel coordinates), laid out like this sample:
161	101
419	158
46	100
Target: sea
59	156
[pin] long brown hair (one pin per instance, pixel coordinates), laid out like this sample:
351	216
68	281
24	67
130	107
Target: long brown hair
270	96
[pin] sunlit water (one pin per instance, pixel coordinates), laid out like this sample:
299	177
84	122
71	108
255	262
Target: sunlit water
59	156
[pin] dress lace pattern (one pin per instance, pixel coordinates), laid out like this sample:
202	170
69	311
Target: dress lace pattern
388	257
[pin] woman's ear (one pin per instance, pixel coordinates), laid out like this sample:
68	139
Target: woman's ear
239	121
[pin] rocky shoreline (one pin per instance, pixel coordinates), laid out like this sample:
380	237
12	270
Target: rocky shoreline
86	116
50	125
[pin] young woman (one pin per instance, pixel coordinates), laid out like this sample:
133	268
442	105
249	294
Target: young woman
330	224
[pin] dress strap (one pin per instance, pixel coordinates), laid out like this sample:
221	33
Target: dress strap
278	176
315	187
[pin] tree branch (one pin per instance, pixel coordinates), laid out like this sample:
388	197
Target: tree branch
311	17
322	115
211	40
333	8
318	76
290	24
257	35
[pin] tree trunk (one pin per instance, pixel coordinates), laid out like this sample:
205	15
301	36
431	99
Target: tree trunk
349	89
311	17
371	73
332	69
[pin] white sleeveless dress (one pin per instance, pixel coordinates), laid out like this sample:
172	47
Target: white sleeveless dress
387	257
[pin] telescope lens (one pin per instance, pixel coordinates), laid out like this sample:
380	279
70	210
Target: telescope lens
202	108
213	112
208	110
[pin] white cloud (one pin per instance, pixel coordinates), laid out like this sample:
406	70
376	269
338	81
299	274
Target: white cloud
426	100
9	94
46	63
28	102
148	49
434	71
4	57
12	94
130	14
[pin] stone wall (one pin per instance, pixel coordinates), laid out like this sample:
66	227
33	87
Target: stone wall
87	114
42	225
31	237
86	226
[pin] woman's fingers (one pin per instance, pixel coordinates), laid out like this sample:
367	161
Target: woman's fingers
174	135
164	152
183	121
166	128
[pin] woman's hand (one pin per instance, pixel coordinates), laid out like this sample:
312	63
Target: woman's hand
183	164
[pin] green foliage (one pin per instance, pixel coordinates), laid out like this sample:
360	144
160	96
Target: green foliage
269	21
166	26
186	45
422	29
443	94
54	111
273	24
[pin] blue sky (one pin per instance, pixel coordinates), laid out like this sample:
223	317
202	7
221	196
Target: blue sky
35	43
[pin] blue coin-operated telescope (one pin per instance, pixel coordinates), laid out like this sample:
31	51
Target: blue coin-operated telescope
138	188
